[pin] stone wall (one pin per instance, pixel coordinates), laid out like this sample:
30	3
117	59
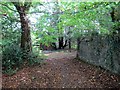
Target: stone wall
102	51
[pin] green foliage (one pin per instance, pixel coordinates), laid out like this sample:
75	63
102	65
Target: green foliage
35	57
67	19
88	16
44	32
73	19
11	58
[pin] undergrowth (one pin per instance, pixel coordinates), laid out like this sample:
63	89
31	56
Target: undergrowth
12	59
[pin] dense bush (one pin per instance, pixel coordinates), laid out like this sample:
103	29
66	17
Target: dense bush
12	59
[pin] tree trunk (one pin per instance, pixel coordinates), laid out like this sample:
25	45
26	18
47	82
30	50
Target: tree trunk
69	44
60	42
113	15
65	44
25	34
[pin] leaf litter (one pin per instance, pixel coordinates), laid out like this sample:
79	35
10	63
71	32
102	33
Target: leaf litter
62	71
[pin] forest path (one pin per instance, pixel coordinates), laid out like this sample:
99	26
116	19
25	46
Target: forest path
61	70
60	54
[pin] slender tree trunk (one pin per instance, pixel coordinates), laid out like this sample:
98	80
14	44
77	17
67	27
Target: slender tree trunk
69	44
60	42
65	44
113	15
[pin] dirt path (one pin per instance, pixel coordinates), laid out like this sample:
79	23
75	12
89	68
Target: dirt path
62	71
60	54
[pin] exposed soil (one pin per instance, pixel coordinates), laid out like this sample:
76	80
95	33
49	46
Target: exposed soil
61	70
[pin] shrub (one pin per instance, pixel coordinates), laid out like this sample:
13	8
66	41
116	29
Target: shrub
11	58
35	57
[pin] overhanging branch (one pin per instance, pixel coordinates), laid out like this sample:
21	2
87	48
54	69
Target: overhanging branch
8	7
